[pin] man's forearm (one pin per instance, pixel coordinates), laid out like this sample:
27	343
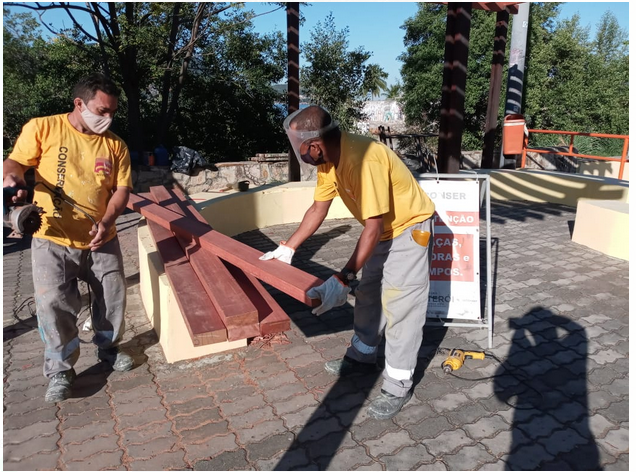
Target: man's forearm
116	205
13	168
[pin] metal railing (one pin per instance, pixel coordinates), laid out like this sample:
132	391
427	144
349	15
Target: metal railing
571	152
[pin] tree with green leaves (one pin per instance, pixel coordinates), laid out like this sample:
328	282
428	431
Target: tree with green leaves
336	78
375	80
572	83
182	67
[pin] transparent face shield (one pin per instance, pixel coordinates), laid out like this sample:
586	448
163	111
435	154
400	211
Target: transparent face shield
300	140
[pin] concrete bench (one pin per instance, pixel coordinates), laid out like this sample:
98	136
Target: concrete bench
603	225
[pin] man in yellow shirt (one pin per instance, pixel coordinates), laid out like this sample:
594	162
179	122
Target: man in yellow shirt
393	249
83	183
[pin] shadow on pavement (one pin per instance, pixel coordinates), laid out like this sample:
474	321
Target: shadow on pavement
546	370
325	430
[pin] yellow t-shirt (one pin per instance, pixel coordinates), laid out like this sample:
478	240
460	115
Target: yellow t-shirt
372	181
84	169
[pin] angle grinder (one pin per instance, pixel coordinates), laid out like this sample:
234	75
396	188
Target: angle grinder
22	217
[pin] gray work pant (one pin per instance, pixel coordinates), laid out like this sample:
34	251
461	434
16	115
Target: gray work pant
56	270
391	299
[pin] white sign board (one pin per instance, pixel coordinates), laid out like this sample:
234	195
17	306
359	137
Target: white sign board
454	289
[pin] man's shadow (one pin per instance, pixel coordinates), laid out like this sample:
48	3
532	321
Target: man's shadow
546	371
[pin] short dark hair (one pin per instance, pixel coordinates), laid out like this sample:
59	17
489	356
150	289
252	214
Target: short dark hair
314	118
88	86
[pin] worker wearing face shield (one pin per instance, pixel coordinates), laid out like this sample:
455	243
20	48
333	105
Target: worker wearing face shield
393	250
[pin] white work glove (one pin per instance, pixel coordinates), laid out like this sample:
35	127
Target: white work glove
282	253
333	293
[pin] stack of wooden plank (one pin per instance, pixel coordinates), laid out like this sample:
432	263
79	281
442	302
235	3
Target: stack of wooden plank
214	277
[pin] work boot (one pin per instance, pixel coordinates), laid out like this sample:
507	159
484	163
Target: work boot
348	366
387	405
60	386
118	359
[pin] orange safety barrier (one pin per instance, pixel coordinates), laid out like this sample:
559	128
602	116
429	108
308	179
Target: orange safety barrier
571	152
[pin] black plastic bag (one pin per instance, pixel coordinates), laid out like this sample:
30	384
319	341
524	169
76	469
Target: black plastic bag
186	160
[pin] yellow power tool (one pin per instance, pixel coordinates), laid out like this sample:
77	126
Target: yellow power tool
457	357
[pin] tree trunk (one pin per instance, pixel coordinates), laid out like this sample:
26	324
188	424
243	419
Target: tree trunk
163	122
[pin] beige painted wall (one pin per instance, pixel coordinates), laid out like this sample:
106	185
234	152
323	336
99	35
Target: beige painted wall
603	168
604	226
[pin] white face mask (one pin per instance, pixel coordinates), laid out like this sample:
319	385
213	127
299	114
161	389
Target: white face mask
96	123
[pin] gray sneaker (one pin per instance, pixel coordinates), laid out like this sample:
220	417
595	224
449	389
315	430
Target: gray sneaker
118	359
386	405
348	366
60	386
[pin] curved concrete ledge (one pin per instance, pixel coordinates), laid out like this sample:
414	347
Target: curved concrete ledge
554	187
233	212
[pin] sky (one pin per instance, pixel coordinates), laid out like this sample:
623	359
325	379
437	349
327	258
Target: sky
376	26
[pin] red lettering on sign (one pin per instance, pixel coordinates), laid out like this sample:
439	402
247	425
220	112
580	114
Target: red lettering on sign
453	258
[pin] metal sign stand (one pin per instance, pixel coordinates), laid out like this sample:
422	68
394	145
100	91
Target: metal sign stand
486	320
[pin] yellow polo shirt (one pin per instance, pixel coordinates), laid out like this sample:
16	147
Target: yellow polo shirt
83	169
372	181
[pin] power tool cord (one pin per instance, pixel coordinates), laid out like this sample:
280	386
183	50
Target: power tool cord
488	355
58	193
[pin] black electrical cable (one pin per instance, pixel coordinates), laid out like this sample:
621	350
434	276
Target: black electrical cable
58	193
28	302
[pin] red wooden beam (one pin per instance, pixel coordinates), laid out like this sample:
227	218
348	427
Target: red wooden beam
238	313
199	314
272	318
286	278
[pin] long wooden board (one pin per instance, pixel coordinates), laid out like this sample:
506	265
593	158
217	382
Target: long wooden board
199	314
238	313
272	318
286	278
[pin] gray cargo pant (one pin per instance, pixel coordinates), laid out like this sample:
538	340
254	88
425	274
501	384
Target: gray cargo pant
56	270
392	298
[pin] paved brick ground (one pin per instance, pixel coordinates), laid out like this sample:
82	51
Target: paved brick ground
561	403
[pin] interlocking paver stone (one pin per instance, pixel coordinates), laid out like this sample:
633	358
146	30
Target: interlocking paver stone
166	461
526	457
437	465
260	431
615	441
103	460
388	443
210	448
35	462
146	433
562	441
205	432
75	452
486	427
233	460
347	459
468	457
42	444
17	436
289	460
447	442
449	402
150	449
269	447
